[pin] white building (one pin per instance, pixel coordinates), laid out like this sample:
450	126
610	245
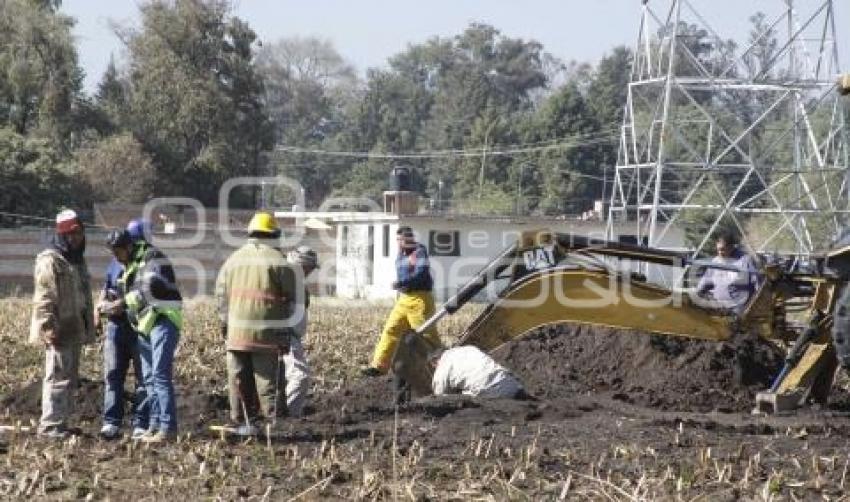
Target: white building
458	246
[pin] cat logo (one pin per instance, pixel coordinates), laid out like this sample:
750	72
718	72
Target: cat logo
539	258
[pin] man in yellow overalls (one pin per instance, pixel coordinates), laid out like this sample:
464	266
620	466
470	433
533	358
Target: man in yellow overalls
413	306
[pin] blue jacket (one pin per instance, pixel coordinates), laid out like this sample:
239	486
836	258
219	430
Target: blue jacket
110	288
413	271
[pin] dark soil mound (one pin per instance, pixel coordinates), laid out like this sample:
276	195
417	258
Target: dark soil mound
194	405
25	403
358	400
660	372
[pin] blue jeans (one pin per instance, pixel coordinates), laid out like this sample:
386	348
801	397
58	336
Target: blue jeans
119	348
157	354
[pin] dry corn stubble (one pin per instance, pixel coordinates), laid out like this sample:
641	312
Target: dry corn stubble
584	449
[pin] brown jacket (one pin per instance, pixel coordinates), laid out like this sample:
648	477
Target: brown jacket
62	300
255	289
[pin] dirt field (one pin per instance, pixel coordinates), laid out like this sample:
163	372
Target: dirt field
621	416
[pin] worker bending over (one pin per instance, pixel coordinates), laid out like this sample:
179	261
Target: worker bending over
413	306
120	348
469	371
149	296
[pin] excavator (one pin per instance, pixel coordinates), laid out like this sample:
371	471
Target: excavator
550	278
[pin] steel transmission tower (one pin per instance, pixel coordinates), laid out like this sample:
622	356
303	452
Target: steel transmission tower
719	135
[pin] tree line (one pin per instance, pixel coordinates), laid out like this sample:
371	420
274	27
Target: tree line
199	99
488	122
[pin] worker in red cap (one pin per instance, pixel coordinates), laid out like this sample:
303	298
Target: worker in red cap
62	319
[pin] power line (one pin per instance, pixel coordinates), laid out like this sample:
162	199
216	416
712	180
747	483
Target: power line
467	153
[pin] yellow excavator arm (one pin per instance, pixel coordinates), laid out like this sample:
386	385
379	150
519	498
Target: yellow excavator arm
558	296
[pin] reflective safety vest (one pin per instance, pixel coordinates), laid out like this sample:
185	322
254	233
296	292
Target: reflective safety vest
143	312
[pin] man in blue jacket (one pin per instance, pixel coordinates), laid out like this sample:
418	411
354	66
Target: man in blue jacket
120	347
413	306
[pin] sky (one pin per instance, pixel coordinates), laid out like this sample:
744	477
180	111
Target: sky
367	32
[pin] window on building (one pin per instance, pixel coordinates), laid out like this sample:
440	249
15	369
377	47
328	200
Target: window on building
344	241
632	239
386	241
444	243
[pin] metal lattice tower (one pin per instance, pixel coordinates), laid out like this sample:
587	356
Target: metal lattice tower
749	136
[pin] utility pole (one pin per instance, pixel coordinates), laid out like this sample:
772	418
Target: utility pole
484	155
519	188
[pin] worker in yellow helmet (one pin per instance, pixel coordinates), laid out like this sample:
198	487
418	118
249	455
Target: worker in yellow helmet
256	289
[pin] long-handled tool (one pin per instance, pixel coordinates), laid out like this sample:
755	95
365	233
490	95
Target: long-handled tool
241	396
279	380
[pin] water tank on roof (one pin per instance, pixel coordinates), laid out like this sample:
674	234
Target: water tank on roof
400	179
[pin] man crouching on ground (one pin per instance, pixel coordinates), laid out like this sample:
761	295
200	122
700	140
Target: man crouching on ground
469	371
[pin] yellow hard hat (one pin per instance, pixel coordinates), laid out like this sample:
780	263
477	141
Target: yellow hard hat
263	222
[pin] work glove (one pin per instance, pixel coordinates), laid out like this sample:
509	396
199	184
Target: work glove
98	322
49	336
111	308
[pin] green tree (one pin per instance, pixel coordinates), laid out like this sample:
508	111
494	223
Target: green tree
39	76
117	170
111	100
196	97
35	177
483	80
307	87
570	175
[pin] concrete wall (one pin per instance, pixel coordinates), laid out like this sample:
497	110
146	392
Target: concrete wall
196	266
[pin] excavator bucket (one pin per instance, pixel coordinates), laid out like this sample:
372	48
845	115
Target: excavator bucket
411	364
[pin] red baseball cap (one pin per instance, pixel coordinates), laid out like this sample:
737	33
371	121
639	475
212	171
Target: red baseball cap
67	221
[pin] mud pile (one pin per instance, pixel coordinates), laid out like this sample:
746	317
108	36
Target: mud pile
659	372
24	403
195	405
